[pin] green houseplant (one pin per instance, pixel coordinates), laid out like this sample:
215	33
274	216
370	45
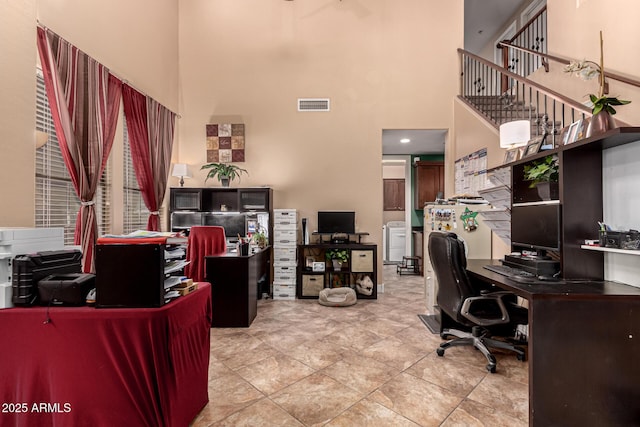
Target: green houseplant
337	256
225	172
260	239
543	175
602	108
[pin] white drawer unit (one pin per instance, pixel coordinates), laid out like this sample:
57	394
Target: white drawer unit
285	219
362	261
284	238
284	274
284	256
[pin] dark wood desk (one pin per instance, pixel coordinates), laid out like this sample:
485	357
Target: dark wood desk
584	350
234	286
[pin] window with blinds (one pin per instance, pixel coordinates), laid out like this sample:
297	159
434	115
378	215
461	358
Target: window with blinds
136	213
56	202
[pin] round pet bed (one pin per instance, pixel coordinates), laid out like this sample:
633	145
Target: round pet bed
337	297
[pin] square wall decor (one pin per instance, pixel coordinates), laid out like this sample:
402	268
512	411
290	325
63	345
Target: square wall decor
225	143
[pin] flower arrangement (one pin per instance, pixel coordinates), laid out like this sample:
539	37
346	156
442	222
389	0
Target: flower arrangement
588	70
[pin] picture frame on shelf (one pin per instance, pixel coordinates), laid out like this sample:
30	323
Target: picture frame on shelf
564	134
309	262
533	147
573	132
511	155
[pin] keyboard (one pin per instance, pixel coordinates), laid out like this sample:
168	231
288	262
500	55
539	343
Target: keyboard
512	273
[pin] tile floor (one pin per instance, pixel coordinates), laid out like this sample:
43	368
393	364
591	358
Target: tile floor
371	364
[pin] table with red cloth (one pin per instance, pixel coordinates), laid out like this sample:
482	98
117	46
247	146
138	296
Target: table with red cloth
105	367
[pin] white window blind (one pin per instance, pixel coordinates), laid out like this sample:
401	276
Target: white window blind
56	202
136	213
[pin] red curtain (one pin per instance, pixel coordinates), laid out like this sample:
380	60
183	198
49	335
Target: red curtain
84	98
150	127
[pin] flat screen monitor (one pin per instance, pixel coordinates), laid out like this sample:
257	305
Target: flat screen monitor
331	222
536	226
234	224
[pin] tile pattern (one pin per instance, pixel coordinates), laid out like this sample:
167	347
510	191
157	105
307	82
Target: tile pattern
371	364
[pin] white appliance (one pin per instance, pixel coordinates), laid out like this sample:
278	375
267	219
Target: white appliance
396	238
476	235
20	241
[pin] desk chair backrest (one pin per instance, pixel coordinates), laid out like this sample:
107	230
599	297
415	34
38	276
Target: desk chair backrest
447	255
203	241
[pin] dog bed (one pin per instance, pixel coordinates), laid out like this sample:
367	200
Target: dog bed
337	297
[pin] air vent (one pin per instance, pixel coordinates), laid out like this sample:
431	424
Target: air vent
313	104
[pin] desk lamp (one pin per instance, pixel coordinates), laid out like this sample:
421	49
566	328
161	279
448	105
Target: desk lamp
515	134
181	170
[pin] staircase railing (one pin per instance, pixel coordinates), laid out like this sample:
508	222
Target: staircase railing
546	58
533	37
481	87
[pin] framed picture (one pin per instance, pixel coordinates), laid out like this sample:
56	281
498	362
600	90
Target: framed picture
573	132
564	134
533	147
511	155
308	261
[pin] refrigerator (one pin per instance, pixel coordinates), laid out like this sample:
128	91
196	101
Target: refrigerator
467	223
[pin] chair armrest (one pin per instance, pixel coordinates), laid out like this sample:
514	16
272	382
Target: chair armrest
496	298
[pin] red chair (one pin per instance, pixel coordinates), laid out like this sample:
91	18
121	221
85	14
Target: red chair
203	241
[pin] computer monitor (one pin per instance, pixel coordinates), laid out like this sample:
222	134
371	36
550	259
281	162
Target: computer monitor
234	223
536	226
333	222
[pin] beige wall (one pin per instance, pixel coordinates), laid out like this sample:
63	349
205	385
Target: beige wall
17	112
381	62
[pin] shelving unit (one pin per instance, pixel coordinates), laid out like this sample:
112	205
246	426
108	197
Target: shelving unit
580	170
362	262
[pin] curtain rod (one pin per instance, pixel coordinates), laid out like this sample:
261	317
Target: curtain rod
124	81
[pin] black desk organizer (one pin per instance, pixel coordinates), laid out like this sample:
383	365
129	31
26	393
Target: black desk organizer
620	239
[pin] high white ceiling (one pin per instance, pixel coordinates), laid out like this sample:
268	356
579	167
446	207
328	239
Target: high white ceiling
482	20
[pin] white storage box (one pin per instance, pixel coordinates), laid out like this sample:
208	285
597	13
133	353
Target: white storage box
285	219
285	238
284	274
284	291
284	256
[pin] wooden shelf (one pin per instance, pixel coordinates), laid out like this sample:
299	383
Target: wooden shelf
612	250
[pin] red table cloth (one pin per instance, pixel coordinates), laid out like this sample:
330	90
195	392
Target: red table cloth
105	367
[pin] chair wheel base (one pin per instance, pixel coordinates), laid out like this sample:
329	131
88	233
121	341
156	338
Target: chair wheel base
440	352
491	368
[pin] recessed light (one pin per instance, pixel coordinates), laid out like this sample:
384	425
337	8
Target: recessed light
405	140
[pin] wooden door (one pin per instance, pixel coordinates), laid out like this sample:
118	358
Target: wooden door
429	181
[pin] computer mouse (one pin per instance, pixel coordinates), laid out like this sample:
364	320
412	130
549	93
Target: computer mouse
548	278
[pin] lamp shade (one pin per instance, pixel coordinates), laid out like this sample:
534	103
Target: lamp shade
515	134
181	170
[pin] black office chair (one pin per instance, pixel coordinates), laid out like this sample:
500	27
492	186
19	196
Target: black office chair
468	310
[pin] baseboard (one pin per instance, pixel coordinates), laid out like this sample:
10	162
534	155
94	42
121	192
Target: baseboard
380	288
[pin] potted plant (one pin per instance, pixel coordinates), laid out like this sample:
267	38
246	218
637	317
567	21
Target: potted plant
602	109
543	175
337	257
225	172
260	239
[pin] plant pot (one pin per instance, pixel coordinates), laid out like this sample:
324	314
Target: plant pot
337	264
225	181
548	190
600	123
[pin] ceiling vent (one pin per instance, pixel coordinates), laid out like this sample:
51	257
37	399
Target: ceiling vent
313	104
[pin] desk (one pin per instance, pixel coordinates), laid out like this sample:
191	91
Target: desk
584	350
234	286
106	367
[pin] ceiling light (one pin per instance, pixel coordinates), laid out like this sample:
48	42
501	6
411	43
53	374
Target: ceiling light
405	140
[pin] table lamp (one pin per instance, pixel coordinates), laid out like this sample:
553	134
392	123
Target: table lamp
181	170
515	134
